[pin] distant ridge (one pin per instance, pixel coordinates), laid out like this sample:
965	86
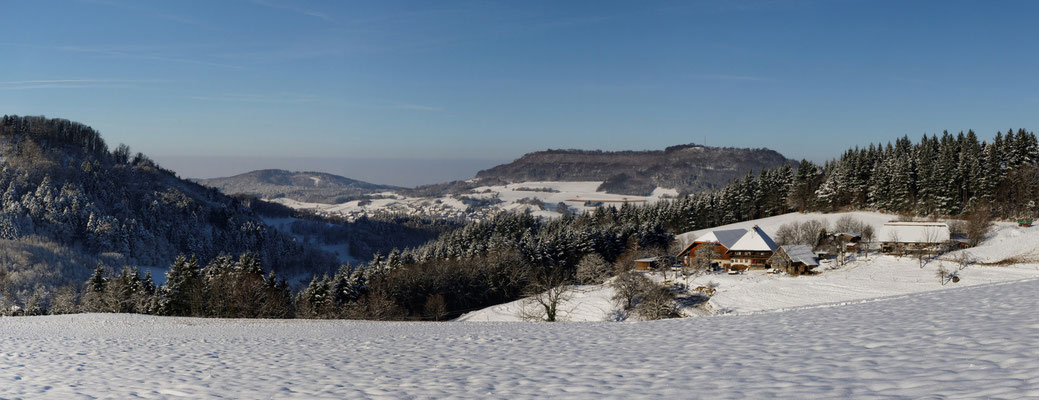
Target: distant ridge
688	168
306	186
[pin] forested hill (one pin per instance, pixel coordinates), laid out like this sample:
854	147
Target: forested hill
62	187
303	186
688	168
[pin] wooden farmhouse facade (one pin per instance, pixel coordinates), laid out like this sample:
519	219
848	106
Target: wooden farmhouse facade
753	250
735	248
720	240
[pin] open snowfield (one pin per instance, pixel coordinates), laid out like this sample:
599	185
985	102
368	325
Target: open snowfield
573	194
967	342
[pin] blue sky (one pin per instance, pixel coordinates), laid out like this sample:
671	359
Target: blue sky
488	81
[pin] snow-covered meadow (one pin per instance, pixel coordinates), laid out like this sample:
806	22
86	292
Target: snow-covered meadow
968	342
515	197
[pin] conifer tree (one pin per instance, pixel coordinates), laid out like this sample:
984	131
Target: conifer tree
95	297
184	292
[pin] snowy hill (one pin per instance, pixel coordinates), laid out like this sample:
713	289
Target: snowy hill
301	186
70	203
969	342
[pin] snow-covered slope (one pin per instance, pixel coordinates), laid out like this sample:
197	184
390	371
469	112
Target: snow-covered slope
972	342
861	278
586	303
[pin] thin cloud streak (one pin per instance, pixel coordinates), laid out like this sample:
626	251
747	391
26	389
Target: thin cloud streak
722	77
32	84
65	86
124	52
416	107
116	53
296	9
49	81
259	98
181	19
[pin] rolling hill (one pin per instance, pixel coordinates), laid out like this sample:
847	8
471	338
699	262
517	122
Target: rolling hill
687	168
305	186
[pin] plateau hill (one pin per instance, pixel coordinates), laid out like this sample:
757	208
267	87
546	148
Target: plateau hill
688	168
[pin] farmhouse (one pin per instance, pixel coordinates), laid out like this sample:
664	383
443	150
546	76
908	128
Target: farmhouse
905	237
794	259
752	250
721	240
736	248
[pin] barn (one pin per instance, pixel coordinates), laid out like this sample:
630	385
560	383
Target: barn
646	264
794	259
915	237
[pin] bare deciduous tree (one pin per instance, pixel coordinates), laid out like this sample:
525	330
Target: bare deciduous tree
547	290
942	274
435	307
979	224
703	259
627	287
867	238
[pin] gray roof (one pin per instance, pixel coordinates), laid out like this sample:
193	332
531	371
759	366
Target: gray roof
917	232
801	253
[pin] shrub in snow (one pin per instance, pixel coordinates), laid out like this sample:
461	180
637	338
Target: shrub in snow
593	269
656	302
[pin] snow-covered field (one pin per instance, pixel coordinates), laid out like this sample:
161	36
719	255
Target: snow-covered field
968	342
586	303
576	195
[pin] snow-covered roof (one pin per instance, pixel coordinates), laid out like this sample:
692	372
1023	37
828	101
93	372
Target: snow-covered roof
801	253
650	259
917	232
754	240
726	238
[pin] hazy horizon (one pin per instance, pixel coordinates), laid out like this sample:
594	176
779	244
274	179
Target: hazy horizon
405	172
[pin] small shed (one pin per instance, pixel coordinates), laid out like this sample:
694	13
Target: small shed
646	264
794	259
